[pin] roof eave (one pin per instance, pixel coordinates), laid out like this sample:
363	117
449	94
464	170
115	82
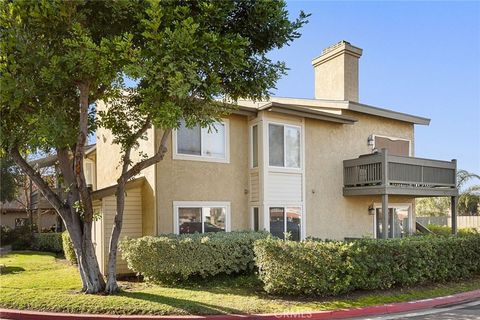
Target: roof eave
385	113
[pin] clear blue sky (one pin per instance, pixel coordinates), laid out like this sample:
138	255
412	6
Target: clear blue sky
418	57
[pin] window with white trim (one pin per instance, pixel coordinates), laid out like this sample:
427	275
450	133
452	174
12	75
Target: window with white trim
286	219
284	145
255	146
198	142
201	217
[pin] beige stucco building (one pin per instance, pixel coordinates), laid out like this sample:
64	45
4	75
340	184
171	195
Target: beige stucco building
320	167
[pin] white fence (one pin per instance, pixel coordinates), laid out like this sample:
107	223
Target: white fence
462	221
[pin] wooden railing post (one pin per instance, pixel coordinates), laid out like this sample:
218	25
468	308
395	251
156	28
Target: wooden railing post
385	195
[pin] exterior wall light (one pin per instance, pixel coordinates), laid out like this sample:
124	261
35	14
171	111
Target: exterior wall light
371	210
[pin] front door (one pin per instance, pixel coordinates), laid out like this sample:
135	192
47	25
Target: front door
397	225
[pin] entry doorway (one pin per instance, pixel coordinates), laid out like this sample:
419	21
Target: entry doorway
399	221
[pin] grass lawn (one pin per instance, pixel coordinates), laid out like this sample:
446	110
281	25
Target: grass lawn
39	281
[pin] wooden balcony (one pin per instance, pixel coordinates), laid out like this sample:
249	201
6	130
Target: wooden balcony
384	174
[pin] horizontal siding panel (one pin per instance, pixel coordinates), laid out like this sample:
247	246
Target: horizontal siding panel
132	222
283	187
254	187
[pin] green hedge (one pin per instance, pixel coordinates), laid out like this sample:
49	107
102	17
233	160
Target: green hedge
171	258
51	242
68	248
447	231
329	268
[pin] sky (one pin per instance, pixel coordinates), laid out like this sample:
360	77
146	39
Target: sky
421	58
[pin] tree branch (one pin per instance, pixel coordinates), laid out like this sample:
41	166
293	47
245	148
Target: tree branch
45	189
158	156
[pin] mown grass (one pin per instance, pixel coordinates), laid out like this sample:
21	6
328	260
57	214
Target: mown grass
40	281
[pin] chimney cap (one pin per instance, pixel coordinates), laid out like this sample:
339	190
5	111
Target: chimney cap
335	50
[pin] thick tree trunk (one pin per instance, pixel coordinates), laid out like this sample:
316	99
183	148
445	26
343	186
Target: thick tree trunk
79	230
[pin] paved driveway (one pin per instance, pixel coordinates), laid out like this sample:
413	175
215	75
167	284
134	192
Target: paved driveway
466	311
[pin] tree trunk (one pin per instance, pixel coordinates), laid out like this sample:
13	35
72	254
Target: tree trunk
112	286
78	229
127	173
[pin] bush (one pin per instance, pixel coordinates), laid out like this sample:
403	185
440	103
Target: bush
68	248
6	234
447	231
22	238
328	268
170	258
51	242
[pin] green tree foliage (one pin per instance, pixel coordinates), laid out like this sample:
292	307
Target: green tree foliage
9	179
468	200
191	59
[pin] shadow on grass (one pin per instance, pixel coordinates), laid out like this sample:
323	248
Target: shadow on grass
189	306
10	270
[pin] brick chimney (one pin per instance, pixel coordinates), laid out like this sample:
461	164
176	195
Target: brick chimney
336	72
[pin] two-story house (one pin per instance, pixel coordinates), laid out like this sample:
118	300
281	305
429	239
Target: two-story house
329	167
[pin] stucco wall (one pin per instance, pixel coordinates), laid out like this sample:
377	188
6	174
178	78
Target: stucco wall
46	220
329	214
109	168
185	180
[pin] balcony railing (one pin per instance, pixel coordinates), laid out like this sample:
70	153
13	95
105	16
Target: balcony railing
381	173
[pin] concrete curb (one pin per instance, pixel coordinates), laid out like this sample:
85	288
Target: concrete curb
334	314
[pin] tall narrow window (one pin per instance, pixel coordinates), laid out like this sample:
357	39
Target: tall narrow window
254	146
284	146
277	222
255	219
202	142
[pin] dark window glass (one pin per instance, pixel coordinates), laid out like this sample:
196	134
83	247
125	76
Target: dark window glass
277	222
190	220
255	219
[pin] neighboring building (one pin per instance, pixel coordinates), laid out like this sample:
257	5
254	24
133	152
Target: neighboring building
318	167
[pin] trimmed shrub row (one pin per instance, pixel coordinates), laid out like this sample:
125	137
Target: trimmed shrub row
51	242
68	250
447	231
329	268
171	258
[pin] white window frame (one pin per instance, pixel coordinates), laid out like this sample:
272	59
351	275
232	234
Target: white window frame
302	215
393	206
200	204
191	157
285	146
410	154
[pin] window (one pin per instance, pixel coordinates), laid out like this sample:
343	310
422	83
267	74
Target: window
255	219
284	146
255	146
286	219
202	143
201	217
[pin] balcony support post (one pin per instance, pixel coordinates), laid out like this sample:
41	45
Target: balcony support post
385	216
453	204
